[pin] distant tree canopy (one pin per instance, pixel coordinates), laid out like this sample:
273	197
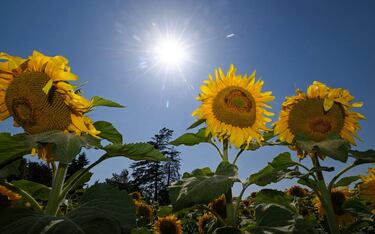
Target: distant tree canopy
41	173
152	178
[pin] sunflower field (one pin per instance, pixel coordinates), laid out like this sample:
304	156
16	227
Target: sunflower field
234	116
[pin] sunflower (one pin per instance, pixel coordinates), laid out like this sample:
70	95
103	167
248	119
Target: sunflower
203	221
319	114
233	107
168	225
143	209
36	93
297	191
136	195
367	189
219	206
338	197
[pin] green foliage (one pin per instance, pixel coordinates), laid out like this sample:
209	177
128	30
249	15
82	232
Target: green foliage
65	146
11	168
345	181
199	188
226	230
206	171
99	101
135	151
108	132
334	147
190	139
275	171
196	124
266	196
276	218
363	157
104	209
12	147
164	211
38	191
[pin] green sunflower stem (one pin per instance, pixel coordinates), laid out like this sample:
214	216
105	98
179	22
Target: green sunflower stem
326	198
54	199
230	208
228	195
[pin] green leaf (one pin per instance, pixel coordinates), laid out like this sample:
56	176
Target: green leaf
164	211
65	146
135	151
276	197
206	171
196	124
275	171
108	132
227	169
82	180
12	147
309	183
190	139
104	209
282	161
334	147
141	231
12	168
227	230
275	218
345	181
195	190
363	157
99	101
38	191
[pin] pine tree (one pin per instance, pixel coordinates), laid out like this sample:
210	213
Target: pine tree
122	181
153	178
77	164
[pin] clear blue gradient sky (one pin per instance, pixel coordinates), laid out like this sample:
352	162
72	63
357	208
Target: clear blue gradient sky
289	43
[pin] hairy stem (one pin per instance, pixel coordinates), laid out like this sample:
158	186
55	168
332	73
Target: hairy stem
54	199
325	198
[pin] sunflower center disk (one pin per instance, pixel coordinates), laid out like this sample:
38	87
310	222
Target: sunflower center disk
235	106
34	110
168	227
308	118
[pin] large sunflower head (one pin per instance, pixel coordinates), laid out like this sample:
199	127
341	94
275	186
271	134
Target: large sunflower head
168	225
319	114
234	107
367	189
338	197
36	93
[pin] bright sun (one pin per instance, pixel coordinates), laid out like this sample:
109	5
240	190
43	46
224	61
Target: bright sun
170	52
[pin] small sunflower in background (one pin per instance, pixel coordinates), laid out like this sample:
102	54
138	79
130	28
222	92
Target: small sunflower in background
297	191
318	114
234	107
338	196
367	189
136	195
203	221
143	209
36	93
219	206
168	225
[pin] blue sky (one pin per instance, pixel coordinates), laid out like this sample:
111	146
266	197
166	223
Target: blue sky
289	43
